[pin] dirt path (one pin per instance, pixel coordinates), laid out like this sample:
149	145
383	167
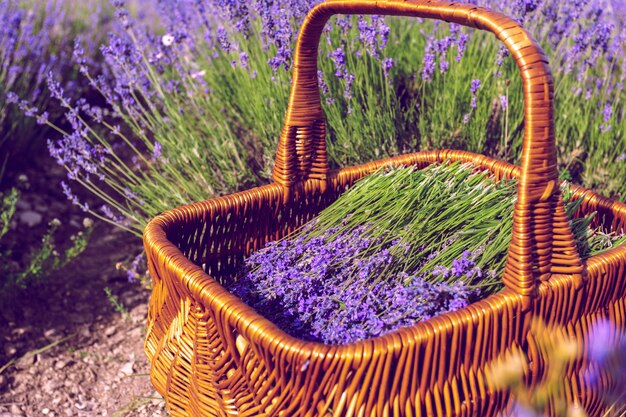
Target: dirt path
77	355
69	352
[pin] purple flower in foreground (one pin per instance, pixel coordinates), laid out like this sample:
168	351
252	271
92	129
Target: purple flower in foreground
243	59
42	118
600	337
522	411
504	102
79	156
322	85
137	268
339	59
607	112
109	214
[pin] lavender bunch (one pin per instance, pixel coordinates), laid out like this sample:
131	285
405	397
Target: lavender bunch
363	267
324	289
33	42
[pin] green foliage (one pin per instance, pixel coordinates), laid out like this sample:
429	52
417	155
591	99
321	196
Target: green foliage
116	303
453	211
7	209
43	260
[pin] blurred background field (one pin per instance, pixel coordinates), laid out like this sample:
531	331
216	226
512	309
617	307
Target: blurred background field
114	111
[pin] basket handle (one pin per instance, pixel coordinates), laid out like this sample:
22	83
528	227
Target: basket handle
542	243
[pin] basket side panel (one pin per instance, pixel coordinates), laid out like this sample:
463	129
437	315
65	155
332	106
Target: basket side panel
225	360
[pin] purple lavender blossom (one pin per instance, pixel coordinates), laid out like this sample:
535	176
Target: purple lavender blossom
607	112
157	152
42	118
443	66
473	89
600	337
79	156
429	66
387	65
73	197
322	84
504	102
339	59
326	288
222	38
243	59
475	86
137	269
109	214
12	98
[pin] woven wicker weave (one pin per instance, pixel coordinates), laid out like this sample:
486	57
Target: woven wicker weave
214	356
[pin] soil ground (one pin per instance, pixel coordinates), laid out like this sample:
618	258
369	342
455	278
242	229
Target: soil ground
70	353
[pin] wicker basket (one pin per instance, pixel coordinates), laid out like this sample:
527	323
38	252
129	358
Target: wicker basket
212	355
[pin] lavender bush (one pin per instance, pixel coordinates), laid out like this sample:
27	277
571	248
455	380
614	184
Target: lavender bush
363	267
196	99
193	109
33	42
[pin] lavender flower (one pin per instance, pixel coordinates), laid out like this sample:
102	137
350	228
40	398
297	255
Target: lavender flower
222	38
387	65
109	214
504	102
243	59
12	98
607	112
475	86
137	269
72	197
157	151
473	89
339	59
429	66
77	155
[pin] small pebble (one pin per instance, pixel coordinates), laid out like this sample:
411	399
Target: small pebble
128	368
51	334
31	218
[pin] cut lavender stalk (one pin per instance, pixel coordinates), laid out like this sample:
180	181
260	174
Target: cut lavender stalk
364	267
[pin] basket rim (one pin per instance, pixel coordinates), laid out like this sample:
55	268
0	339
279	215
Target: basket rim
252	325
